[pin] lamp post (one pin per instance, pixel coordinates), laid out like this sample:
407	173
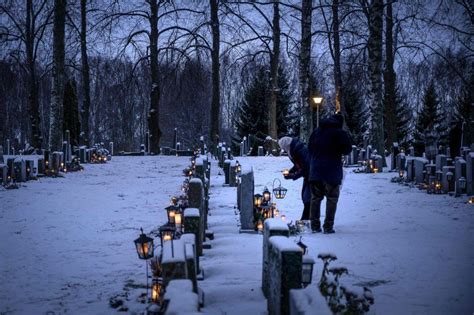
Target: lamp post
317	101
144	246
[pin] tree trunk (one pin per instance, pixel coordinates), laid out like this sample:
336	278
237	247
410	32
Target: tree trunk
215	103
274	63
86	89
390	80
35	131
57	92
306	121
154	113
374	46
337	58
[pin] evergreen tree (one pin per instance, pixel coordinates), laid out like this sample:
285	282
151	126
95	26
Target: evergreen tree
71	112
252	116
403	119
428	120
356	115
287	116
462	125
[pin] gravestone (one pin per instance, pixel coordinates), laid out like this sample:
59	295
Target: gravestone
411	151
354	155
401	162
56	162
368	152
1	154
82	154
173	261
410	169
226	172
111	148
393	158
147	143
192	258
378	163
419	166
19	167
465	153
441	161
261	152
447	185
430	171
8	147
470	174
285	265
68	153
3	174
272	227
175	138
11	170
41	166
202	145
65	151
192	224
460	172
241	148
181	299
196	200
246	199
166	150
232	173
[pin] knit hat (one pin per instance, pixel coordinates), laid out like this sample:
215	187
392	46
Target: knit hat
285	143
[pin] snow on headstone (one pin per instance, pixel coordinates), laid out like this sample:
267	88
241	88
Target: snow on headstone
226	171
446	184
181	298
261	152
173	261
272	227
285	266
470	174
419	166
192	224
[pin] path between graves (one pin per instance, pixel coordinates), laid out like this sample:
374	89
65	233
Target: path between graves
233	265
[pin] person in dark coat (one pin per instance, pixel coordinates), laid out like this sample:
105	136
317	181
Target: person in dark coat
299	155
326	146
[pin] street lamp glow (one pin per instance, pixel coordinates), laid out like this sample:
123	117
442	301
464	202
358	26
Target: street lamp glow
317	100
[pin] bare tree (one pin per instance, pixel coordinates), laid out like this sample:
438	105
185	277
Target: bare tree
86	89
29	33
59	77
306	121
216	95
390	122
374	47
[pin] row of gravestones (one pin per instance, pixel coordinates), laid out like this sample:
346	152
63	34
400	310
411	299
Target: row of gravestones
180	258
15	169
441	175
282	258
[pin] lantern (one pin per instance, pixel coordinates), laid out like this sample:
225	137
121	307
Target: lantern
144	246
470	200
280	192
171	211
307	270
178	219
238	167
266	194
286	172
260	226
376	170
257	200
401	173
431	184
156	290
267	211
167	233
174	201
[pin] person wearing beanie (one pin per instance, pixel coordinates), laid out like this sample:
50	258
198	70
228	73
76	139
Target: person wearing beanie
326	146
298	153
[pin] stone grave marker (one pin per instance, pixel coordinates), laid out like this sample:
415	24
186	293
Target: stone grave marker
410	169
1	154
226	172
19	167
246	199
393	157
173	261
419	166
232	174
441	161
470	174
192	224
460	172
3	174
447	185
285	265
261	152
272	227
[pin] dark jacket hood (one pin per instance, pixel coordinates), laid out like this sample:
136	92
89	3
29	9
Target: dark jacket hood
335	121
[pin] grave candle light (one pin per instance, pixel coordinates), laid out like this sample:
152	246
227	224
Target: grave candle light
283	218
286	172
260	226
178	218
266	194
144	246
156	290
171	212
167	233
257	200
238	167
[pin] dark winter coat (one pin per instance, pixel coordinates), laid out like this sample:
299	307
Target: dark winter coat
326	146
300	157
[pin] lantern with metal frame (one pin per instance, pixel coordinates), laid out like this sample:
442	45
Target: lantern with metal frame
266	195
280	191
257	200
238	167
307	270
156	290
171	211
167	233
145	250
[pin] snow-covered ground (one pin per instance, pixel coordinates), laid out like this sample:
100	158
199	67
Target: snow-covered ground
67	243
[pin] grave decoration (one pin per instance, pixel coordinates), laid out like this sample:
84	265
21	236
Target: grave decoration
167	233
156	290
470	200
145	251
264	208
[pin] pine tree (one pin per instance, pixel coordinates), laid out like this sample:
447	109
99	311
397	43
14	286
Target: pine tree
428	120
462	125
356	115
71	112
287	117
403	119
251	116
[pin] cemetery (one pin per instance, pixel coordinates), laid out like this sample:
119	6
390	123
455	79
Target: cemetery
196	231
236	157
